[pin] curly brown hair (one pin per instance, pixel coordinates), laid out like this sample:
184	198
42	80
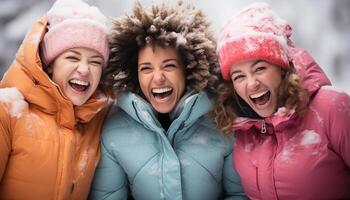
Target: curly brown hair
290	95
181	26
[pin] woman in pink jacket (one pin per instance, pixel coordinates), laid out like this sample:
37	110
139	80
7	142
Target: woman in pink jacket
292	132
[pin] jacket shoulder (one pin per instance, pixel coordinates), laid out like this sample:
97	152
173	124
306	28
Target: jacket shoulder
118	119
207	127
330	98
120	129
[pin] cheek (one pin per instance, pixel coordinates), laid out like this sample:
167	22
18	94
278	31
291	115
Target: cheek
182	81
239	89
178	77
143	81
96	74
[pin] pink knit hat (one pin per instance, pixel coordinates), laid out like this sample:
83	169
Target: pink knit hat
255	33
73	23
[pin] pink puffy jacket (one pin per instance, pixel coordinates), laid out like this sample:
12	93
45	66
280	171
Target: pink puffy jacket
298	157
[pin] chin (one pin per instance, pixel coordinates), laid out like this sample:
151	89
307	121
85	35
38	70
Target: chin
162	110
79	102
264	113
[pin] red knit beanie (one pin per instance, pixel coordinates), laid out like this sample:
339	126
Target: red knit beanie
255	33
73	23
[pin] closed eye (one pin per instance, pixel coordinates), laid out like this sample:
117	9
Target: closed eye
260	69
96	63
72	58
169	67
145	69
237	77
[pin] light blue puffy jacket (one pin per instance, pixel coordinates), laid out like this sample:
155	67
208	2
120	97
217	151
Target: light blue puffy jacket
190	161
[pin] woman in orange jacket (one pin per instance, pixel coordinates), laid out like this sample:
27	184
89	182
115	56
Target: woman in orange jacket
52	106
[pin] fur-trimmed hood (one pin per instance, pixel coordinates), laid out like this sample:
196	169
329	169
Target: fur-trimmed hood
181	26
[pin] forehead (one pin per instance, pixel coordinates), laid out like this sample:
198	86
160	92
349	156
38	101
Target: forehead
246	64
157	51
83	51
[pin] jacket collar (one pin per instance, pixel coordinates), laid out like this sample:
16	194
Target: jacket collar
188	111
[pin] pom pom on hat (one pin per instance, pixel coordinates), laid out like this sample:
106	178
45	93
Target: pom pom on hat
73	23
255	33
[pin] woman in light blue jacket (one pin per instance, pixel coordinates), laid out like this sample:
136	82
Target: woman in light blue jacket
160	143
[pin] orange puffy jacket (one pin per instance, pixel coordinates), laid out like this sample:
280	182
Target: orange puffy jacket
49	149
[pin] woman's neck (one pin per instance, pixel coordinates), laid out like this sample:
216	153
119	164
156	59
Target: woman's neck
164	120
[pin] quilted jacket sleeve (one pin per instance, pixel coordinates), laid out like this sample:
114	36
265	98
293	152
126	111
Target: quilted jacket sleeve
232	183
5	140
110	182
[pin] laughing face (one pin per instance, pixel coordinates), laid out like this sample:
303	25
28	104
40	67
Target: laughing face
77	72
257	83
161	77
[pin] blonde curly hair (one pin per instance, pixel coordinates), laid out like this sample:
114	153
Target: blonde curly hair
181	26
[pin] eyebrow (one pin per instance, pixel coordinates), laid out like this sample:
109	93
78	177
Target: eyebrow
170	59
73	51
255	63
164	61
145	63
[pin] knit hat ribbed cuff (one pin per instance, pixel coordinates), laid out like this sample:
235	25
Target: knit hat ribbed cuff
261	46
74	33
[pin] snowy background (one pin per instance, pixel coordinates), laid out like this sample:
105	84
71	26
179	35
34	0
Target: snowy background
320	26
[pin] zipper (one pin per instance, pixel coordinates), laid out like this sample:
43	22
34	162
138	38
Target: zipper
263	126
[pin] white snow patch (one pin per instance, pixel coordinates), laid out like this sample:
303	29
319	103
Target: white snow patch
135	137
244	25
332	88
248	147
67	9
318	116
310	137
185	162
84	159
345	107
143	112
154	170
200	139
102	97
113	145
282	111
288	150
33	121
286	153
35	38
316	153
13	100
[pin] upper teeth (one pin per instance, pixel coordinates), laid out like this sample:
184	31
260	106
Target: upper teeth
254	96
79	82
161	90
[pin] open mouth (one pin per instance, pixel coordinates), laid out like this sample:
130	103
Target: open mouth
78	85
261	98
162	93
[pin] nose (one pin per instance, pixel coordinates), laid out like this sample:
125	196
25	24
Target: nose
83	68
252	83
158	76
